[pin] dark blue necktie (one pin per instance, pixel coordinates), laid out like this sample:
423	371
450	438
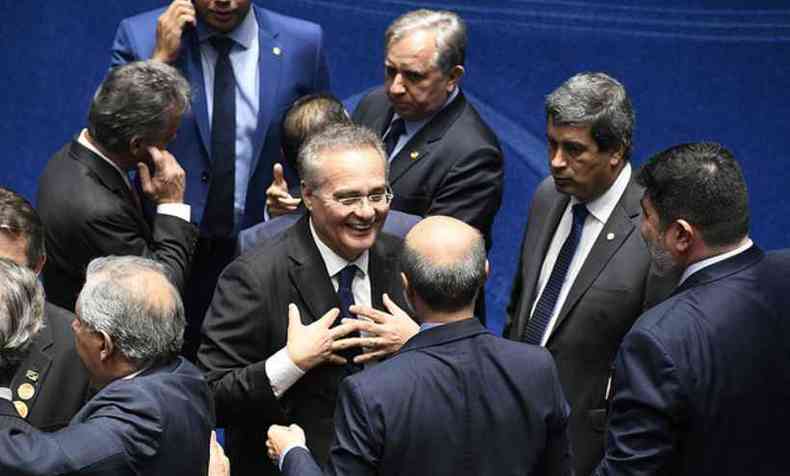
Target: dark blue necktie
346	296
219	213
548	299
397	128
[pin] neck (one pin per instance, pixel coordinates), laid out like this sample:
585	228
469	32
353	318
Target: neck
114	158
706	251
431	316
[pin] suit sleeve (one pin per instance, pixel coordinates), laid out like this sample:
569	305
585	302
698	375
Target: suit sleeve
237	336
558	458
646	411
322	66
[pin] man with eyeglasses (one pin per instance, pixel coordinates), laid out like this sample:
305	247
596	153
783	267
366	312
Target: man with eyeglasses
273	345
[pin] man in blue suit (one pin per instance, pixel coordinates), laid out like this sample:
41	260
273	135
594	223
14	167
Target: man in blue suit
245	65
153	414
701	381
455	399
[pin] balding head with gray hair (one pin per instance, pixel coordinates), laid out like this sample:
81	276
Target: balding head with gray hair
21	314
131	300
450	33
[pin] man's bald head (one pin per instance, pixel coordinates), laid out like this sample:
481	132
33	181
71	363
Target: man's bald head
444	261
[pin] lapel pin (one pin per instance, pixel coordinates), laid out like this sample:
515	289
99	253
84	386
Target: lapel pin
21	408
414	155
610	236
32	375
26	391
277	51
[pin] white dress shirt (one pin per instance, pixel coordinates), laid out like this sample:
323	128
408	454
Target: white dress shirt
599	211
5	394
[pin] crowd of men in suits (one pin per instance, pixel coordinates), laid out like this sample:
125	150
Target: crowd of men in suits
224	245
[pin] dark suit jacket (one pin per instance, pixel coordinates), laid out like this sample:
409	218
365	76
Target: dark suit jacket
88	211
247	322
54	370
10	419
397	223
455	400
453	166
156	423
612	288
292	63
702	383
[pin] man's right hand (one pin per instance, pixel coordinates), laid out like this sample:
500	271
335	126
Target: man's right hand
278	200
311	345
170	27
169	180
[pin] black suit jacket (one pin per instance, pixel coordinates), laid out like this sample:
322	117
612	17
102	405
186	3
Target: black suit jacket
247	322
55	372
701	381
455	400
88	211
156	423
452	166
612	288
10	419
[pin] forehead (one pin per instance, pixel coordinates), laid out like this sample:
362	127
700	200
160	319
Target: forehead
416	50
569	133
351	169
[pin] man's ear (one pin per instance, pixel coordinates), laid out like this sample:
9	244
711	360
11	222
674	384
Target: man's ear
455	77
107	346
137	147
39	265
405	281
684	236
307	195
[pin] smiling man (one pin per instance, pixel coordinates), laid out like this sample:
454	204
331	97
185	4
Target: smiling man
269	329
584	274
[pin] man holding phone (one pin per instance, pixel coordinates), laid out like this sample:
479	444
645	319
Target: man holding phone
246	65
86	202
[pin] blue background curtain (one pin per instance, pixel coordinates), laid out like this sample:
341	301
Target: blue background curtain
695	70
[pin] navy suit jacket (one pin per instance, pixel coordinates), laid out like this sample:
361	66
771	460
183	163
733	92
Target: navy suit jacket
156	423
702	381
455	400
291	64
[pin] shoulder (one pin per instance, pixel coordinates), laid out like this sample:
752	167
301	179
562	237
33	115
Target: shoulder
293	27
371	107
474	127
387	244
144	22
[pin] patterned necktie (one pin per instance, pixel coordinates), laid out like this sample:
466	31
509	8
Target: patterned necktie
219	212
345	294
397	128
548	299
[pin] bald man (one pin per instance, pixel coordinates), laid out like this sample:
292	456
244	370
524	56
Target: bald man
425	410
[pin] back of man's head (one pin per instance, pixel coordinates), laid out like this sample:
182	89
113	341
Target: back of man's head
21	231
21	315
702	184
444	261
131	300
307	116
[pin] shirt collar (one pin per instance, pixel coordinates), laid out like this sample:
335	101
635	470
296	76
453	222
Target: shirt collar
413	126
243	35
83	140
694	267
601	208
335	263
5	394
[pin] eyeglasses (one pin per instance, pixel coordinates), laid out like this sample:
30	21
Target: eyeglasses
378	199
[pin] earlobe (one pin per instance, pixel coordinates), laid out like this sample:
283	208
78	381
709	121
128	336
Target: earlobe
307	195
455	77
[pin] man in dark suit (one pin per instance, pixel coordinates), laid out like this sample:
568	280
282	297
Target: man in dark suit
445	159
50	384
425	410
701	383
89	208
308	115
584	274
246	65
153	413
264	367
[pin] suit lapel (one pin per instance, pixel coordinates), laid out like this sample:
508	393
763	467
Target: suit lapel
191	65
270	54
421	145
33	369
308	272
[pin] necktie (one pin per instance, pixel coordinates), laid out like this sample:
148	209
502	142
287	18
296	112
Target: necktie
219	213
548	299
397	128
346	296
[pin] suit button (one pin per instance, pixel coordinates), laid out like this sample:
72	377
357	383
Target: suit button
204	177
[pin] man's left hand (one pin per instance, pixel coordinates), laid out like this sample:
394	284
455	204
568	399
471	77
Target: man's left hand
282	438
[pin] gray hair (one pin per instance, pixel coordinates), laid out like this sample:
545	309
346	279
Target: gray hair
446	287
116	301
336	137
599	101
21	312
450	32
140	99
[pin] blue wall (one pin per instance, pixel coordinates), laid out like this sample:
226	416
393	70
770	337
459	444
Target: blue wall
695	70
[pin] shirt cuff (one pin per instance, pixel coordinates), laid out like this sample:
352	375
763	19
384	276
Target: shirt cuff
282	372
180	210
282	456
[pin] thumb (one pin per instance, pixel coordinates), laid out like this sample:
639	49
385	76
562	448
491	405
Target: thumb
145	176
279	175
294	320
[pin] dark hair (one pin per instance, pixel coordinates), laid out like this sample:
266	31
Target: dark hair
446	287
702	184
306	116
19	220
599	101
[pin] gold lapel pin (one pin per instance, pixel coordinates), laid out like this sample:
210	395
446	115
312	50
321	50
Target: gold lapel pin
32	375
26	391
21	408
277	51
610	236
414	155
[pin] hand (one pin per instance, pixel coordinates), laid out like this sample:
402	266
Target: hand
218	464
278	200
281	438
170	27
387	332
168	183
311	345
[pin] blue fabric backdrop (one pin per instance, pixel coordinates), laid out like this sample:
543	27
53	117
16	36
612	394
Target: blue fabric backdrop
717	70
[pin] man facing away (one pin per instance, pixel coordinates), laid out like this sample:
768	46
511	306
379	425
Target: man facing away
455	399
701	381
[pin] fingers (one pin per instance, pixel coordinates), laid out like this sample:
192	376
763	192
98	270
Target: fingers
336	359
368	356
329	318
294	322
145	178
279	176
373	314
351	325
351	342
393	308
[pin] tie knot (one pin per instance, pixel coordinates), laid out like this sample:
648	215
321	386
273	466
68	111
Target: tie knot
222	44
580	213
346	276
